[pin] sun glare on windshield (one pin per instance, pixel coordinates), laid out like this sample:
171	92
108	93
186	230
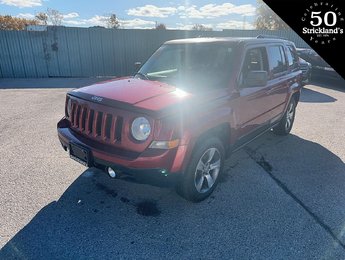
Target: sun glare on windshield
190	66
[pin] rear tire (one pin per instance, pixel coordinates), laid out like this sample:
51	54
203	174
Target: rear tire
202	174
285	125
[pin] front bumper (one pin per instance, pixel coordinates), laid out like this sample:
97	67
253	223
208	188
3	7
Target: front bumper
164	162
156	177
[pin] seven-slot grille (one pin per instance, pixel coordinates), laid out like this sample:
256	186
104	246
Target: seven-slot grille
96	124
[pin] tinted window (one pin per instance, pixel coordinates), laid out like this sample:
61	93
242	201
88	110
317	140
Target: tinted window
282	52
276	59
292	52
255	60
289	57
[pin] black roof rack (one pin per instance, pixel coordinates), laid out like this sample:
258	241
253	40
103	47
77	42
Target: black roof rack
265	36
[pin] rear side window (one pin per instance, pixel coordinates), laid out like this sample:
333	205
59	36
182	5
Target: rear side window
276	59
289	57
292	56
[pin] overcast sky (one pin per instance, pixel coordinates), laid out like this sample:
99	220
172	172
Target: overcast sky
174	14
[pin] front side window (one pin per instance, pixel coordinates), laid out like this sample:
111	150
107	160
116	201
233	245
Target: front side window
255	60
191	66
276	59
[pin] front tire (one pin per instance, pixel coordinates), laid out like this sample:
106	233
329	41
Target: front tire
285	125
202	174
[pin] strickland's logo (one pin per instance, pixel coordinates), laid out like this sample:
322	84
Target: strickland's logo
324	22
337	30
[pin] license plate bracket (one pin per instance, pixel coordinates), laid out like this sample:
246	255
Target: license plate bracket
80	154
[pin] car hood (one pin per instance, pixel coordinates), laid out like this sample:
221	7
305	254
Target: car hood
148	97
135	93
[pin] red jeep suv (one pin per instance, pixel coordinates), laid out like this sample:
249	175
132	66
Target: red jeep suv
187	108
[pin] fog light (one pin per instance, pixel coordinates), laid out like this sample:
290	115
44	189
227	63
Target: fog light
111	172
164	172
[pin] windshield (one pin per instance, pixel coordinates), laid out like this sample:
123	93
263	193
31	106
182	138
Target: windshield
190	66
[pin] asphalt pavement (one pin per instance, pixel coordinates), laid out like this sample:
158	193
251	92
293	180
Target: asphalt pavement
279	197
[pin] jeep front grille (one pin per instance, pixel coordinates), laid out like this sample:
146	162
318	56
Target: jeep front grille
96	124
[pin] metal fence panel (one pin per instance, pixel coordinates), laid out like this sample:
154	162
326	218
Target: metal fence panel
73	52
39	50
96	51
5	59
84	47
27	58
62	53
51	49
15	54
88	52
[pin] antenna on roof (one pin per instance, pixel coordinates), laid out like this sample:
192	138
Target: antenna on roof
265	36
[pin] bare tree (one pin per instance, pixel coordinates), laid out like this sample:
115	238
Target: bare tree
41	18
267	19
54	17
113	22
201	27
160	26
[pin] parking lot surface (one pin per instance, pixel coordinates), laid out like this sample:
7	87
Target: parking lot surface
279	198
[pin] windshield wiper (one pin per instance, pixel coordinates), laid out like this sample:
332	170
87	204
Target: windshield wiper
142	75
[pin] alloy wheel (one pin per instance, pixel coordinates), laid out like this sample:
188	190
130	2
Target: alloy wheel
207	170
290	116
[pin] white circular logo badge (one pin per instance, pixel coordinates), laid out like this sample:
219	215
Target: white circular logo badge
323	22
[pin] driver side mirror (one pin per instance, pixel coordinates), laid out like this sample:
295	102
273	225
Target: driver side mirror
255	78
137	65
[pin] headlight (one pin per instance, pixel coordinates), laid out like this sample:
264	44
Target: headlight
141	128
68	108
